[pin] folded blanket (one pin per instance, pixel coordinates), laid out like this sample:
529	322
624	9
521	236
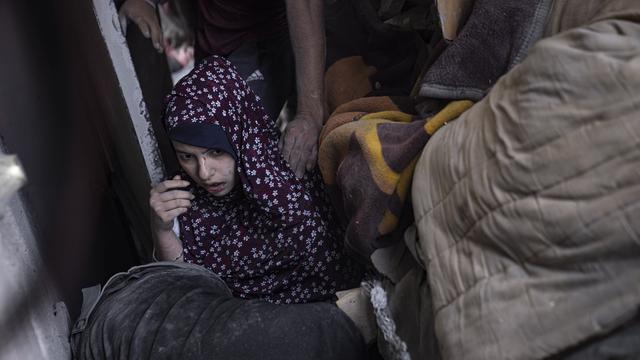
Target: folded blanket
496	36
368	151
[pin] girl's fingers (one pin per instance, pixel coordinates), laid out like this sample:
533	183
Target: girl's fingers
161	207
175	194
170	184
169	200
172	214
178	203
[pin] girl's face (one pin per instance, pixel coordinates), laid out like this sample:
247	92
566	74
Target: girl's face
212	169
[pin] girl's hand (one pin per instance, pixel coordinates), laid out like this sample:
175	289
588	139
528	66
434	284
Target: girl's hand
167	202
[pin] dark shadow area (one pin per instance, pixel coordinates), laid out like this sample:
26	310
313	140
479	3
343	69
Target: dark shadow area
58	101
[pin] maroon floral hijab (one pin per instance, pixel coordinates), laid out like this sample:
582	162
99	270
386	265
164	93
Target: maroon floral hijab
274	236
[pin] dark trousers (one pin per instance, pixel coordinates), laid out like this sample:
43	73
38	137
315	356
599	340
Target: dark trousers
179	311
268	68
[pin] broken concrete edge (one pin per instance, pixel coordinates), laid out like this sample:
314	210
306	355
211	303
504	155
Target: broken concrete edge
34	322
109	25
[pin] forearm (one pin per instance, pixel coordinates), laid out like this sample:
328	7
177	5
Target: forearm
306	29
167	246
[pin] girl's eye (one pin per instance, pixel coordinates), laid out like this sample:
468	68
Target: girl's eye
214	152
185	157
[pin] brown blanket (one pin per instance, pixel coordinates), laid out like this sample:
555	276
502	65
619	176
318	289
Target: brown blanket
368	151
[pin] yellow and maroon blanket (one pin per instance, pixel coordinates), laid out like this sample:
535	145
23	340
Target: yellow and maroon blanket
368	151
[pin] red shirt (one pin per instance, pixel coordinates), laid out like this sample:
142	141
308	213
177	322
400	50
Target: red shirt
224	25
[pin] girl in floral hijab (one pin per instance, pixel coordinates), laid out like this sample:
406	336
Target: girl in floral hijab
242	212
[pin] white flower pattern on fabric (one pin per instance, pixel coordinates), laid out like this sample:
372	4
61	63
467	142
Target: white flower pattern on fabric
274	236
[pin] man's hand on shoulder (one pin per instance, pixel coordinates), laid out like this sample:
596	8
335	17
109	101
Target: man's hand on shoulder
299	142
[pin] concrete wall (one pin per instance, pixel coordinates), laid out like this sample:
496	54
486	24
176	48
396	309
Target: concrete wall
83	214
35	323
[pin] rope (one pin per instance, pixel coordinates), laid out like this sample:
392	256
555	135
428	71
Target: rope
398	348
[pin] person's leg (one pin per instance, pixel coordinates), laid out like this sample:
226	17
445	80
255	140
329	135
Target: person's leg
268	68
260	330
147	310
182	311
246	60
278	65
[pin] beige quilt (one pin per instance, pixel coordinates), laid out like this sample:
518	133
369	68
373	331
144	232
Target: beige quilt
528	205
